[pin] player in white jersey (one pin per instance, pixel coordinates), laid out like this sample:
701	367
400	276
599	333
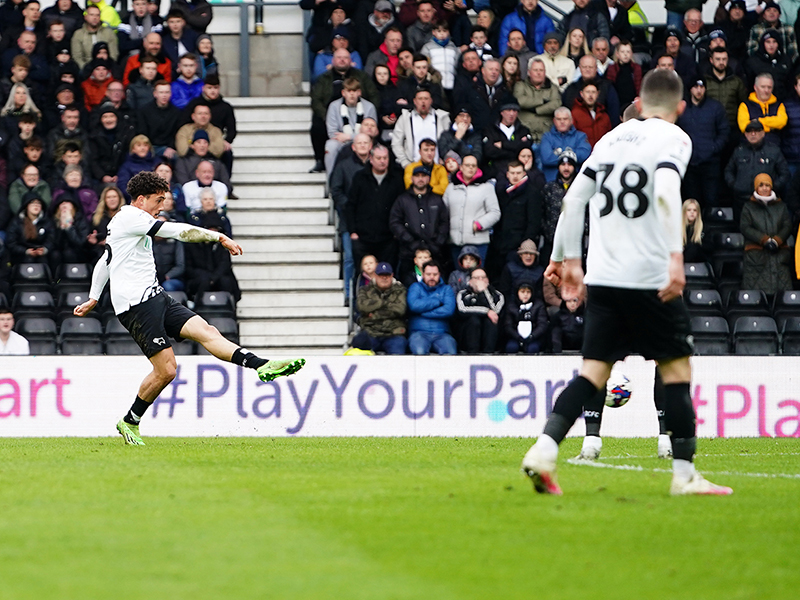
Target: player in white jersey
634	279
150	315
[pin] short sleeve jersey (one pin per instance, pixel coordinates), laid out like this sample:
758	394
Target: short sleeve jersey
627	238
129	255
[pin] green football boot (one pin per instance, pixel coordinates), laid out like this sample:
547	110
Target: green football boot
130	433
279	368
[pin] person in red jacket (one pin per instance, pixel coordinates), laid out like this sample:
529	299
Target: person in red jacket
94	88
590	116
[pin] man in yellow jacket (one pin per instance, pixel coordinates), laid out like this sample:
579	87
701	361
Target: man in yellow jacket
427	154
762	105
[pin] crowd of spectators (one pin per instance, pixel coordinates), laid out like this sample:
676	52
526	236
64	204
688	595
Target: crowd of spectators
91	95
459	140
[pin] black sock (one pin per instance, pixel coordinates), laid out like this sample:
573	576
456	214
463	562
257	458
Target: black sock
136	412
568	407
661	401
593	412
244	358
680	419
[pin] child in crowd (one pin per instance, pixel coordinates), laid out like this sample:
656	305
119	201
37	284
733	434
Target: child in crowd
421	256
567	332
468	260
478	42
525	322
625	74
367	276
443	54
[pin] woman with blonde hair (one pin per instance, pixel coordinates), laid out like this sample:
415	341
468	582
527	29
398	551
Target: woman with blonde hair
575	46
19	103
141	158
694	245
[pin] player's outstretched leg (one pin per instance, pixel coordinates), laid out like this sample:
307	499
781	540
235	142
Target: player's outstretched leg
593	417
540	461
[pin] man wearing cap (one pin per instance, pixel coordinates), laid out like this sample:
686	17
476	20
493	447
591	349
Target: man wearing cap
185	166
437	174
558	67
93	31
538	100
373	29
201	119
771	19
529	18
562	136
422	122
431	305
753	156
323	60
503	140
770	59
419	218
382	309
461	137
762	105
705	122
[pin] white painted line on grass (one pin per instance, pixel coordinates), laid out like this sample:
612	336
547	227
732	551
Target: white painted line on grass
600	465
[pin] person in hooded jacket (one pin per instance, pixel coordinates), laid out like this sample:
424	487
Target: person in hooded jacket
109	144
75	184
70	232
29	237
525	322
770	58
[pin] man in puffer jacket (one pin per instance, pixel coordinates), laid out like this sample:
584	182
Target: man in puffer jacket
431	304
382	306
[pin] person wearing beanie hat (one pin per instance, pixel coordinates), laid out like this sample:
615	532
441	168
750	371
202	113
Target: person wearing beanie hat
553	197
504	139
29	237
205	56
771	21
772	59
110	140
94	88
766	225
461	137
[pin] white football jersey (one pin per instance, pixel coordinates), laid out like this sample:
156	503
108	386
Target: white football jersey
631	232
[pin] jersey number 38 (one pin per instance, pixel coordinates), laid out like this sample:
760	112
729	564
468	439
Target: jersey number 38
631	181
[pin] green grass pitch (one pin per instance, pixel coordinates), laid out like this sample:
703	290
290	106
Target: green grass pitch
377	519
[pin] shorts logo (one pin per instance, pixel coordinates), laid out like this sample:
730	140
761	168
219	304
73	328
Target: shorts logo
159	340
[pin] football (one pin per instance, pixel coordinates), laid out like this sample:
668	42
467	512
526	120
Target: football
618	390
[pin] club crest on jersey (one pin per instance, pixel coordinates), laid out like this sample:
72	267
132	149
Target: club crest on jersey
160	341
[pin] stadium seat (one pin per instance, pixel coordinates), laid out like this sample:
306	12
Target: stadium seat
711	336
698	276
73	277
118	340
215	304
790	343
81	336
179	297
41	347
184	348
747	302
728	247
69	299
755	336
32	277
786	304
718	219
729	278
227	327
704	303
41	333
3	300
33	304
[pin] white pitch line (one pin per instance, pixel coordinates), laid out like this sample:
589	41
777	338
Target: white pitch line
599	465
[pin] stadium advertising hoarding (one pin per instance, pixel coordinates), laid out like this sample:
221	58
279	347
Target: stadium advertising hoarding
380	396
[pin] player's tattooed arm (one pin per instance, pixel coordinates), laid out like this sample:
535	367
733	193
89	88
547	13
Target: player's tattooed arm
198	235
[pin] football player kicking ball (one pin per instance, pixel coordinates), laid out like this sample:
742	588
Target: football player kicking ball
635	277
150	315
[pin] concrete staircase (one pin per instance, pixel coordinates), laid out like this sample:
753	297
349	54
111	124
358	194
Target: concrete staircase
292	300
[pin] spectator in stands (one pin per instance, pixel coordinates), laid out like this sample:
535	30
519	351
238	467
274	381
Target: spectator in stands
185	166
766	225
695	246
421	76
20	73
503	140
343	120
419	218
208	206
196	13
559	68
11	343
93	31
30	235
69	131
158	120
518	48
109	143
141	157
140	92
373	31
27	46
589	17
94	87
736	24
391	102
523	266
770	59
151	47
531	21
562	136
790	140
70	154
29	182
111	200
469	259
177	208
538	100
421	256
108	14
208	264
616	13
75	185
222	115
754	156
479	306
525	322
625	74
762	105
553	196
204	178
327	89
589	115
483	96
382	309
443	55
25	148
568	325
478	42
683	63
423	121
115	98
205	56
70	232
467	72
201	121
137	25
606	94
510	72
695	36
461	137
490	21
386	54
519	196
19	103
725	87
31	21
340	39
11	14
67	12
187	86
419	33
177	39
437	174
705	122
472	204
575	46
771	19
170	259
319	37
431	304
372	194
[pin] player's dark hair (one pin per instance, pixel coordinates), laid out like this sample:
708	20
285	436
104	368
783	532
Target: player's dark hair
146	183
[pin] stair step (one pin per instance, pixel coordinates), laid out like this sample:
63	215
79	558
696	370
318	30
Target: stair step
266	126
293	328
286	244
286	139
292	285
294	299
270	102
278	217
284	230
278	192
291	272
293	344
271	313
244	204
288	258
261	151
283	113
273	165
278	178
